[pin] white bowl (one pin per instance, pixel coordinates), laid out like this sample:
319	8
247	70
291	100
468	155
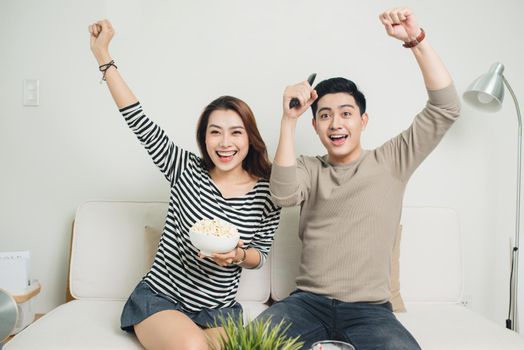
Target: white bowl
332	345
209	243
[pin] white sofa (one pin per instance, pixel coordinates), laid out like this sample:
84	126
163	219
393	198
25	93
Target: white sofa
109	256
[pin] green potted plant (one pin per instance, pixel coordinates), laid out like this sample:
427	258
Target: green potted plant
256	335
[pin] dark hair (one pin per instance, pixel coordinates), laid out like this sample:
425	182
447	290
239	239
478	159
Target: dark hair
256	162
335	85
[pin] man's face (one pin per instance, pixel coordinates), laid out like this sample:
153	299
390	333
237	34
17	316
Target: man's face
339	124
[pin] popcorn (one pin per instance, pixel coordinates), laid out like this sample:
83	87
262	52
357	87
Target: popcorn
215	227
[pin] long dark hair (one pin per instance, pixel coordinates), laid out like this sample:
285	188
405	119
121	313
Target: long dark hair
256	162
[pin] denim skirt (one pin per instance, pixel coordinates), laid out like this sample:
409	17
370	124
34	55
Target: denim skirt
144	302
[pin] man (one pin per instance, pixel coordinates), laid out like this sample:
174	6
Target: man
351	201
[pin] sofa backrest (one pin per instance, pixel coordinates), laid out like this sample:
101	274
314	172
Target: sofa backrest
430	255
431	268
109	251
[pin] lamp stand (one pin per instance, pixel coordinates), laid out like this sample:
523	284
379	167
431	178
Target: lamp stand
512	321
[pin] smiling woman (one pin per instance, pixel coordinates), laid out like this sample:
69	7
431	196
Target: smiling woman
179	303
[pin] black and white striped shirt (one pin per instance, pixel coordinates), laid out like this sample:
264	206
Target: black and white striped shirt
177	271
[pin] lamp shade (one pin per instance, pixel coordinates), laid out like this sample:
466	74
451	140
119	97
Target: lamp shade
8	314
487	91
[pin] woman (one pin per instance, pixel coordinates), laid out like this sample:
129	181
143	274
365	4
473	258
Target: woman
177	303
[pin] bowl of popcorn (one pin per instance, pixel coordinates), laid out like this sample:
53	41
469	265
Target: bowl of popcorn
214	236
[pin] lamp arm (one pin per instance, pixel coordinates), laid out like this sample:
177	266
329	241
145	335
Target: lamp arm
519	161
515	250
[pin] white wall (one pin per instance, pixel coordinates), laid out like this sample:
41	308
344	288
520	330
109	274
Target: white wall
178	56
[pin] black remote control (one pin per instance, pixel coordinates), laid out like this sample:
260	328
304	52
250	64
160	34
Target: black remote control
294	101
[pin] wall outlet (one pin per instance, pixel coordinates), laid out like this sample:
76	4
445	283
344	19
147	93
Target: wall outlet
467	300
31	92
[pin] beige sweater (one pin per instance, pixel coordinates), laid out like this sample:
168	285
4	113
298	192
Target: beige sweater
350	213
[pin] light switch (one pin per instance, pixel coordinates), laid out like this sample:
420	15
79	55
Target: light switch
31	92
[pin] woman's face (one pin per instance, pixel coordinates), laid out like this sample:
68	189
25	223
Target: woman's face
227	142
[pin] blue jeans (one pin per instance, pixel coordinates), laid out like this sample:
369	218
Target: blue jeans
314	317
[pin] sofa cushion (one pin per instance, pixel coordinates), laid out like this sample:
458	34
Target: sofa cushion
107	255
88	324
396	298
285	254
152	240
454	327
431	255
85	324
